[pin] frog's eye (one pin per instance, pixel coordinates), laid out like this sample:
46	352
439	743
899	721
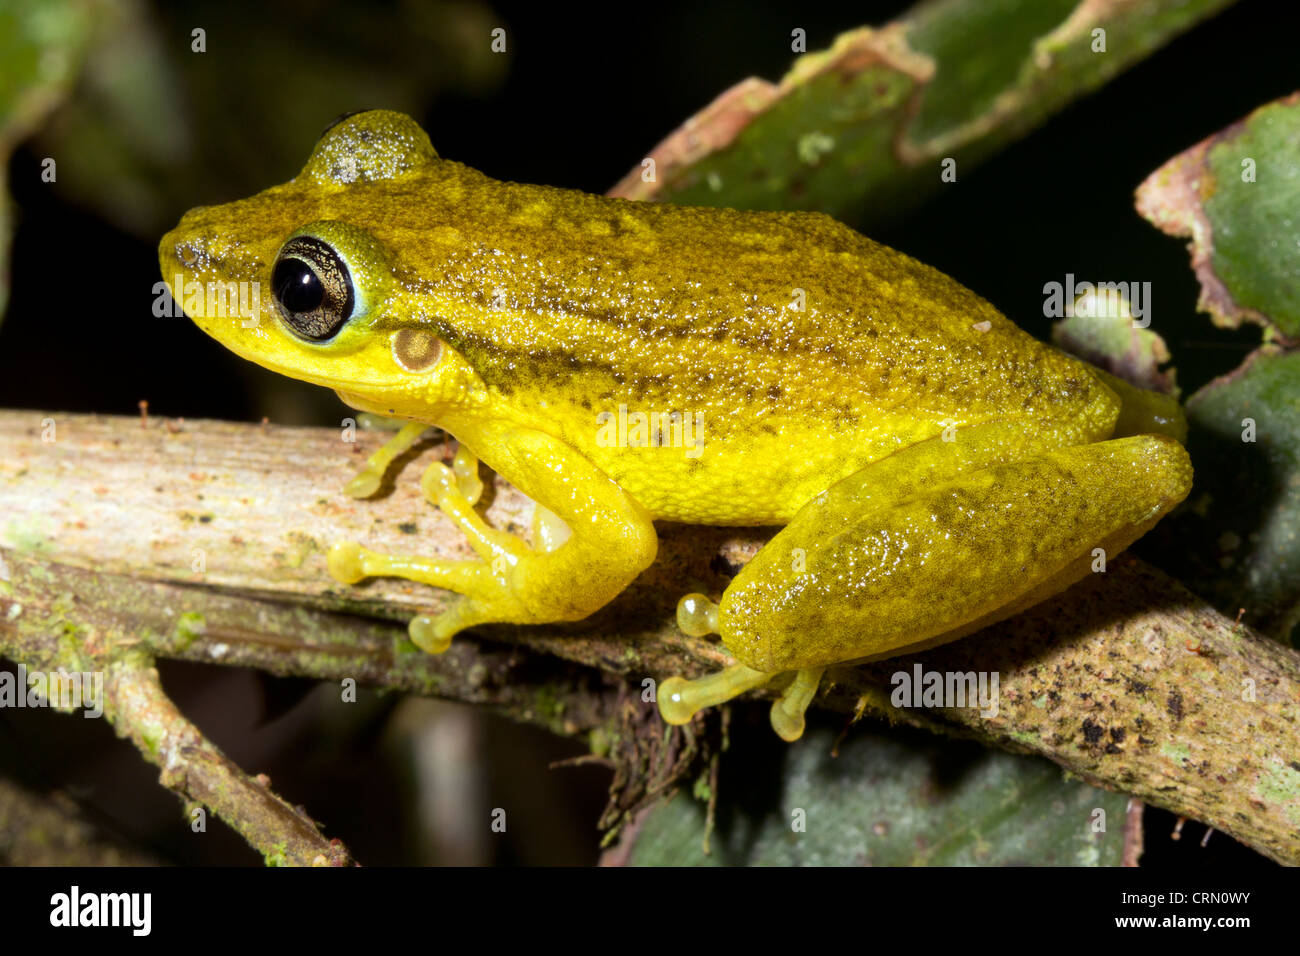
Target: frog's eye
312	287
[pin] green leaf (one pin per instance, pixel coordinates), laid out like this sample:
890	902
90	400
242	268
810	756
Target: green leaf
1237	195
891	798
1114	342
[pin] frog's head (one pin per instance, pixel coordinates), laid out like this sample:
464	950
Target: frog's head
300	278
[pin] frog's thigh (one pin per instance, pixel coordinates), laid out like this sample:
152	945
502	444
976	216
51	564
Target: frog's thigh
924	547
879	486
937	563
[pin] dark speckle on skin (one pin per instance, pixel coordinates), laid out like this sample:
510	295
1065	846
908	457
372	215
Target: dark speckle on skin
1092	733
1175	705
408	527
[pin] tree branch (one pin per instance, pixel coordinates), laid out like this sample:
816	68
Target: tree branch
206	541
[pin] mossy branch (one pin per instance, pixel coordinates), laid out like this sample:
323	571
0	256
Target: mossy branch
129	540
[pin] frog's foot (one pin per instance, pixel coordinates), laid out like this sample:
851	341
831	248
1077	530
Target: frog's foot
680	699
349	562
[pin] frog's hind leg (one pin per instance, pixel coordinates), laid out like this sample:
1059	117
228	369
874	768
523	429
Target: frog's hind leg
927	545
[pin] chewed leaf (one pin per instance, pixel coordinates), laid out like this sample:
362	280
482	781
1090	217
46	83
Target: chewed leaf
1109	337
864	129
891	798
1237	196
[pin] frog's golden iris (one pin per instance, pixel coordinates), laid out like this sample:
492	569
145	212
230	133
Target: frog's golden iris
936	469
312	288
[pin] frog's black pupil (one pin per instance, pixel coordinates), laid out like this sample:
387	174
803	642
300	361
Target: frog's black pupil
297	286
312	288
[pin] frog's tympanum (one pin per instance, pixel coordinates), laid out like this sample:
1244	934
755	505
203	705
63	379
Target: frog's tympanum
935	468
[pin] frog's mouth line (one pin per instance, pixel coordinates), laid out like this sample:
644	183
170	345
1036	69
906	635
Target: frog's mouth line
304	372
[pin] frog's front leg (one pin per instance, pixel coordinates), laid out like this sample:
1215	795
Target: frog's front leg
611	540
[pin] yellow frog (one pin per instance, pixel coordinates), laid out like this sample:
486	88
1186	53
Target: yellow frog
935	468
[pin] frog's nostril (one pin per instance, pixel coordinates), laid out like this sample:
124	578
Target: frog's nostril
187	254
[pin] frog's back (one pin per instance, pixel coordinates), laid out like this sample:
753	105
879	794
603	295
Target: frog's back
806	349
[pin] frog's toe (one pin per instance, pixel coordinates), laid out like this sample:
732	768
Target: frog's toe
364	484
697	616
431	633
788	710
346	562
368	481
680	699
439	483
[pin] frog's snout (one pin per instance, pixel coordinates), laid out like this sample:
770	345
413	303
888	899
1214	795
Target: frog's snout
212	279
188	255
185	246
176	255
